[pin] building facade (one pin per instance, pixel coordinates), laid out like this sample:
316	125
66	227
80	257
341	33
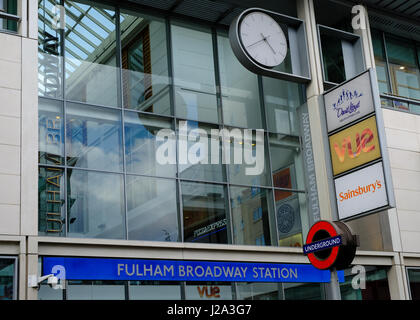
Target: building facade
88	87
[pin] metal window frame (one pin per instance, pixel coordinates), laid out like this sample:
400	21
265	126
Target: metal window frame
15	275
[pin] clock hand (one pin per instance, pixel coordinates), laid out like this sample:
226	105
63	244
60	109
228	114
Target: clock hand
255	43
266	41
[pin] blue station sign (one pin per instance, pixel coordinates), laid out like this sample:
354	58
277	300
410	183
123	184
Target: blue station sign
181	270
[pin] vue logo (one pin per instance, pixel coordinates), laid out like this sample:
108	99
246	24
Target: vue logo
354	146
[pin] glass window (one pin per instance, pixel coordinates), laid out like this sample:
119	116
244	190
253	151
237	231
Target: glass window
51	132
51	201
380	62
95	205
332	55
208	291
94	137
95	290
281	100
152	209
91	71
50	62
8	278
248	162
251	211
258	291
239	87
404	70
376	282
200	154
414	279
154	290
8	6
150	145
204	213
194	77
144	63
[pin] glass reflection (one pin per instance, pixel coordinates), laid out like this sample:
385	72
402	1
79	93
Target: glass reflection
240	94
51	200
251	208
50	62
51	132
208	291
281	101
94	137
202	157
332	55
95	205
204	212
90	53
194	77
144	63
259	291
152	209
145	152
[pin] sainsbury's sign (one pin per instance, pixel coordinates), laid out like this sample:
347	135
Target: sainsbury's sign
349	102
361	191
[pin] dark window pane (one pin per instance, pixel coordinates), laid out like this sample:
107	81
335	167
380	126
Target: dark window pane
7	279
194	78
94	137
332	54
95	205
258	291
51	132
147	151
251	208
303	291
204	213
90	49
200	154
152	209
51	214
144	63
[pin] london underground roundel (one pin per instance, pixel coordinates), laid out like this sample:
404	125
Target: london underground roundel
330	245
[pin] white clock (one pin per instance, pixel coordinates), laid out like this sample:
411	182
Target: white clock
256	36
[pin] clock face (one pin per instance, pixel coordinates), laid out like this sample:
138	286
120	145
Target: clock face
263	39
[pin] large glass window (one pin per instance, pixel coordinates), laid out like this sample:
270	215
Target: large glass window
333	59
380	62
204	213
154	290
152	209
208	291
194	76
147	131
95	290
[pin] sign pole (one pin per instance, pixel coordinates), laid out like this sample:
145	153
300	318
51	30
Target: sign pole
333	288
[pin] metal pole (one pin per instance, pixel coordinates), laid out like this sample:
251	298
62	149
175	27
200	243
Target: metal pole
333	287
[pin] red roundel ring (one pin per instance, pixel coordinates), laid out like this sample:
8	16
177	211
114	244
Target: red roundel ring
329	261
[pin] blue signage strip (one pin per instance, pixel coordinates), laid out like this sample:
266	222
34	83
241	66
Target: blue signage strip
322	244
180	270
